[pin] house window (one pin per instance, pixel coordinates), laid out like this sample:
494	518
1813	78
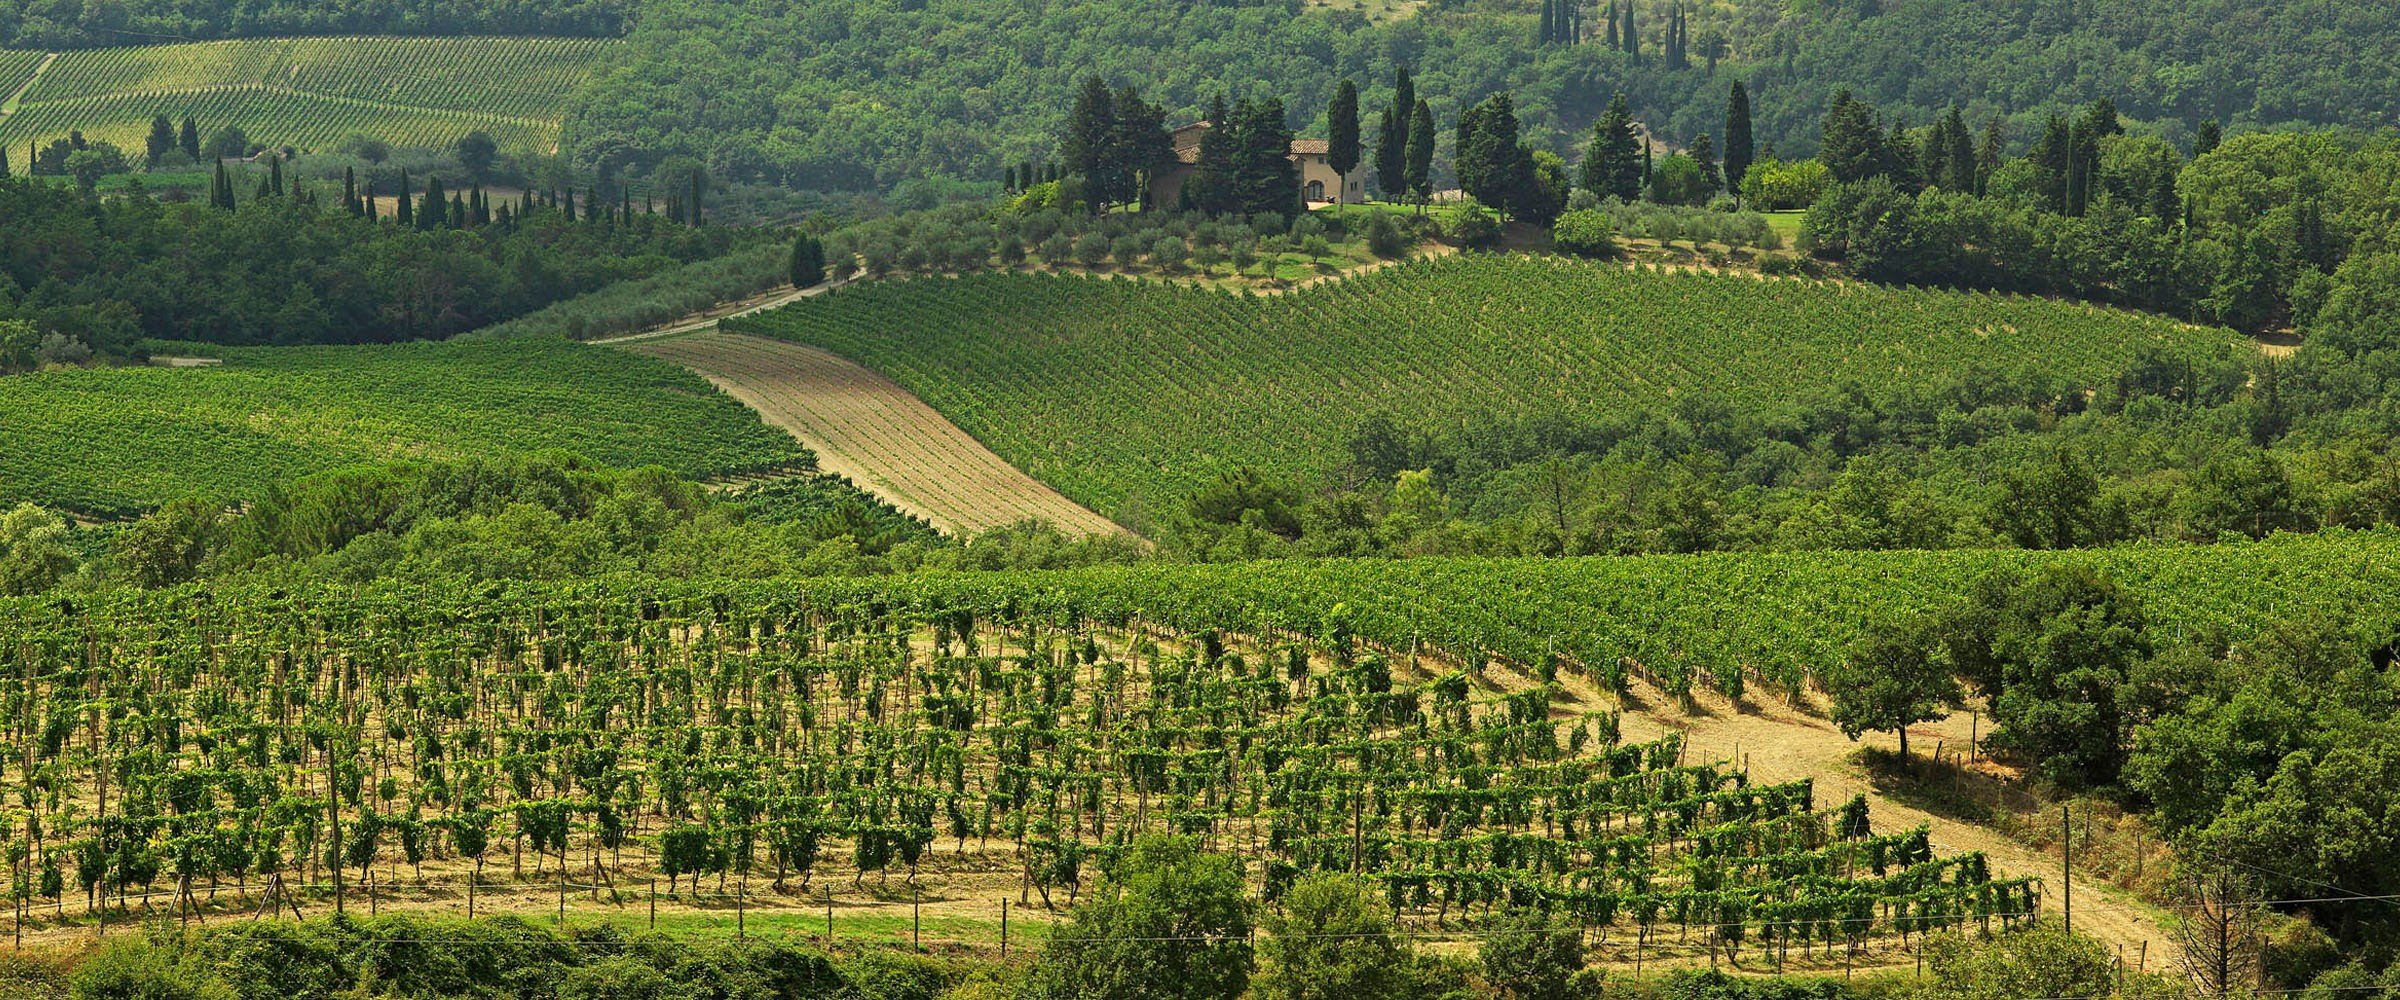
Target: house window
1316	190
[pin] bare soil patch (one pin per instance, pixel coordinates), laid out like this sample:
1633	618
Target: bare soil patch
866	427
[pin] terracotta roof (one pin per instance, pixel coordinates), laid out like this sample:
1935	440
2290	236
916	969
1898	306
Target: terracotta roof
1187	143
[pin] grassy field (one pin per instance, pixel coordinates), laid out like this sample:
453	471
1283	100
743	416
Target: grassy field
310	93
1117	390
114	441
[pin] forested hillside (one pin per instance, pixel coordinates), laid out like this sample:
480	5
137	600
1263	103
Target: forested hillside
852	95
62	24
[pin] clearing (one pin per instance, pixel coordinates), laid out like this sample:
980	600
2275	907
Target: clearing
864	426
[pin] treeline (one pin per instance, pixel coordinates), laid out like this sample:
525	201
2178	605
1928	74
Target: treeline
284	263
990	96
2257	232
71	24
551	517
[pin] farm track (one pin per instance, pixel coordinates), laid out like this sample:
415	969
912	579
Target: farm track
8	106
864	426
1780	743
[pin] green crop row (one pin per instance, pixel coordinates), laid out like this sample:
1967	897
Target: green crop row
1115	390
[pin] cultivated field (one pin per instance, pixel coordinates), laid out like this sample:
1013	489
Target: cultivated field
966	739
1111	390
862	426
309	93
112	442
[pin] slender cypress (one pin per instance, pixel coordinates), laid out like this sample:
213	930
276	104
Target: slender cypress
406	214
808	261
275	175
1739	152
1420	151
188	138
1342	136
696	196
1392	139
350	190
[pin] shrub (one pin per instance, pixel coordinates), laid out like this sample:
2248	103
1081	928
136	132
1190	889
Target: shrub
1585	234
1384	237
1468	225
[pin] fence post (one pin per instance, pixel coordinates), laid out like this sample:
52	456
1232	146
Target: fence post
741	907
829	918
562	894
915	936
653	904
1004	927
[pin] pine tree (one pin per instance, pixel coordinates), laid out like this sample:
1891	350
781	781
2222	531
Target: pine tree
1341	129
2053	155
2206	140
188	139
1739	153
1392	139
1960	155
808	261
1611	167
162	140
1419	169
1493	164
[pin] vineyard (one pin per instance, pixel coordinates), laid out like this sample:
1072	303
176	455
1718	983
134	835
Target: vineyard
182	750
16	67
311	93
1111	390
172	749
114	442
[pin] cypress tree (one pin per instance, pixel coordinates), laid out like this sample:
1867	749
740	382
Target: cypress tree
1961	151
434	212
1342	136
808	261
457	218
1548	32
188	138
265	189
1085	148
1989	156
1704	152
220	192
275	174
3	163
1739	153
1633	37
1615	41
698	193
162	140
569	204
406	214
1420	152
1392	141
350	190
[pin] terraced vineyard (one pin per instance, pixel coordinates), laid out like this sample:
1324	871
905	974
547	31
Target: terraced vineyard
312	93
1112	390
116	441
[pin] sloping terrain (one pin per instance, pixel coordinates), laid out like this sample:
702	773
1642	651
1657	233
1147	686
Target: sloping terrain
311	93
863	426
1117	391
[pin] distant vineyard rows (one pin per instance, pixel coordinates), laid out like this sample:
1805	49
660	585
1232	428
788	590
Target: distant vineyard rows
309	93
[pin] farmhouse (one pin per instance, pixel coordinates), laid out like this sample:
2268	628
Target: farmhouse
1318	181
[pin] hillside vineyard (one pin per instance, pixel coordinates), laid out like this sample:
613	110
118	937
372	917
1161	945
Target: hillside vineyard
1177	383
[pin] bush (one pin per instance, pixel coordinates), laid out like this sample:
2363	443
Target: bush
1585	234
1384	237
1467	224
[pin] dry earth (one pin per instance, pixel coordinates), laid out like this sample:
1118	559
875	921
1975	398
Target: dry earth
865	426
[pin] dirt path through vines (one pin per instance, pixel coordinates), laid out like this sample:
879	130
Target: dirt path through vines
1781	743
866	427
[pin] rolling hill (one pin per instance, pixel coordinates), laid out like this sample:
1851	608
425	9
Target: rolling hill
309	93
1122	390
112	442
